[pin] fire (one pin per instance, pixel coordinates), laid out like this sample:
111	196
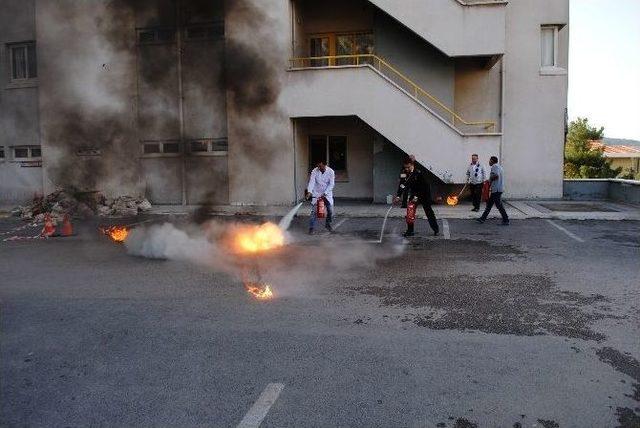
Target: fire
260	291
255	239
117	233
452	200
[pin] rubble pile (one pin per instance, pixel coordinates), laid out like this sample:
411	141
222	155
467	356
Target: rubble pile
80	204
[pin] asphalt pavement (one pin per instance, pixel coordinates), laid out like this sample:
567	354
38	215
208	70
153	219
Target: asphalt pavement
534	324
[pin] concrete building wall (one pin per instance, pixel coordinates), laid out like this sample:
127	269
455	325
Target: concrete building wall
534	103
261	143
455	28
478	91
418	60
358	183
87	103
19	180
387	161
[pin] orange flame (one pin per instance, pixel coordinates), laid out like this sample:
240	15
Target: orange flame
256	239
452	200
116	233
259	291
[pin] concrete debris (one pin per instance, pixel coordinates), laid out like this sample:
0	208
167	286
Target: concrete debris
80	205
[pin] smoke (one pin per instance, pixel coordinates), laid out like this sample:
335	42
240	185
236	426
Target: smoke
292	269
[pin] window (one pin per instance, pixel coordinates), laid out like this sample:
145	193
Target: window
27	153
345	44
160	147
22	61
329	149
209	147
549	46
149	36
2	153
205	31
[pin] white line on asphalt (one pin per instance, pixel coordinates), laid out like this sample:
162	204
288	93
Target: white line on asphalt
260	408
446	234
562	229
340	223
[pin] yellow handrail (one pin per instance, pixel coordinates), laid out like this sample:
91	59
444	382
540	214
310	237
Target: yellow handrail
331	61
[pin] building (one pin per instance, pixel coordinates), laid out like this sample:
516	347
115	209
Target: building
625	156
207	101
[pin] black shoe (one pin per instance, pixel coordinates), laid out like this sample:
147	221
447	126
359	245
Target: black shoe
480	220
475	209
408	234
310	231
436	232
329	228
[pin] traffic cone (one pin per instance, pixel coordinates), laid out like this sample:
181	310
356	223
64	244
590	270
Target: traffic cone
67	229
49	229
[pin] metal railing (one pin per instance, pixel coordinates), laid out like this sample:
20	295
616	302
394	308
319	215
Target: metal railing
397	77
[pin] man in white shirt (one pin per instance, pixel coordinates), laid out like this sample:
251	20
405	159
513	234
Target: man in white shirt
321	184
476	177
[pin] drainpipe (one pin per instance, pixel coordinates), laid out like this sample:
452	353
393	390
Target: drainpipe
503	88
295	161
183	166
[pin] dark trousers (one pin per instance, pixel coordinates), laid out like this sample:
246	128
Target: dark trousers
431	216
476	195
495	198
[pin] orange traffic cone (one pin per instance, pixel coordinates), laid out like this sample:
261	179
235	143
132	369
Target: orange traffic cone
48	229
67	229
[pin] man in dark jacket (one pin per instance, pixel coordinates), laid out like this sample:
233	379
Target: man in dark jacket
417	188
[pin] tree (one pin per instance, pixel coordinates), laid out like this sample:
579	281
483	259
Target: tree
581	159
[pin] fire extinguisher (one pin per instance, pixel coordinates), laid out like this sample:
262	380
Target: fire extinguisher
321	209
411	211
485	191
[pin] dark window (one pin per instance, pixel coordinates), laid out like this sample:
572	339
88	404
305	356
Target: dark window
338	153
24	64
147	36
199	146
156	35
171	148
220	145
36	152
151	148
317	150
1	153
166	35
20	152
330	149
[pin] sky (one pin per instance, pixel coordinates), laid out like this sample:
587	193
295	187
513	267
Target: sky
604	65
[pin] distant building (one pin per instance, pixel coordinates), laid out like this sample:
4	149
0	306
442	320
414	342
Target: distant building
190	101
625	156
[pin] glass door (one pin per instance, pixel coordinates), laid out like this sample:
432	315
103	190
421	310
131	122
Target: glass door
318	47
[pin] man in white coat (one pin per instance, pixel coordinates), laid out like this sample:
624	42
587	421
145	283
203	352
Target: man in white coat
321	184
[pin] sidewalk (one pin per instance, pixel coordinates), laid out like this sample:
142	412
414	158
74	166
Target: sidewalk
517	210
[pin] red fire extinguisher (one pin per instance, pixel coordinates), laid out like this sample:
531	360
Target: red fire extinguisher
321	209
411	212
485	191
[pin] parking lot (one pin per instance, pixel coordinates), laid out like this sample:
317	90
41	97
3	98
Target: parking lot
534	324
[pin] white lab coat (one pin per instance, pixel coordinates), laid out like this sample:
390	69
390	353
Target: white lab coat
321	184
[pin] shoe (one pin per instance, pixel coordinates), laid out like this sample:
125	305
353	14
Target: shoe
504	223
408	234
310	231
329	228
436	233
475	209
480	220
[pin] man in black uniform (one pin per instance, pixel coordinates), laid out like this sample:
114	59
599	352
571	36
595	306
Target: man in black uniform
417	188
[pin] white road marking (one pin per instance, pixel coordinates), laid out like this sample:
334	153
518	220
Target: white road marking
446	234
260	408
340	223
562	229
